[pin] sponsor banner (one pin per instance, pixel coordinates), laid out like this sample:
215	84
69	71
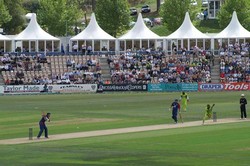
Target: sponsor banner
125	87
172	87
189	87
156	87
236	86
211	87
19	89
74	88
64	88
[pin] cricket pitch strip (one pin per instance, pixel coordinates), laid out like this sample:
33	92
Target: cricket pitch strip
118	131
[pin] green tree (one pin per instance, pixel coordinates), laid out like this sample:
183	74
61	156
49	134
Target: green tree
4	14
173	13
59	17
227	9
31	6
16	24
113	16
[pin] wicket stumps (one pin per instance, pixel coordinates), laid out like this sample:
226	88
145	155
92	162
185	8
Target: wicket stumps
30	133
214	117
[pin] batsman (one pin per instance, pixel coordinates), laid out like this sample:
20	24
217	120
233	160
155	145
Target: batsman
42	125
184	100
208	113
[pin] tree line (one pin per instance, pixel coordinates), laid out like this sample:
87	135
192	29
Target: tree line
61	17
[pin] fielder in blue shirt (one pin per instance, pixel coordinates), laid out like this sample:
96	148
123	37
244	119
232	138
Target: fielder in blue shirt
175	108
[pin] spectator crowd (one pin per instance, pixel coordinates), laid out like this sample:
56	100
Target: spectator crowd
131	67
235	63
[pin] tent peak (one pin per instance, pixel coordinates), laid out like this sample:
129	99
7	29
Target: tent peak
93	32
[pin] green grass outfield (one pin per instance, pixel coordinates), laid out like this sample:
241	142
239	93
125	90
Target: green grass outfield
224	144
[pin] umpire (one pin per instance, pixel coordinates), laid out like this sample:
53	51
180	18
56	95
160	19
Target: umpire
243	103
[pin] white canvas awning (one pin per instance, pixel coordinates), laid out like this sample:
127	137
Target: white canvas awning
93	32
2	37
233	30
34	32
187	31
139	31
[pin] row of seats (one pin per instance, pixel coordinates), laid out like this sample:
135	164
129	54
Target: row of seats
56	69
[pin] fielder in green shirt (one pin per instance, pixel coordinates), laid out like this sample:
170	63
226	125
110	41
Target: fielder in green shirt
208	113
184	100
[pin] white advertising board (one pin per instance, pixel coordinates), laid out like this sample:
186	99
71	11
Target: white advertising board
64	88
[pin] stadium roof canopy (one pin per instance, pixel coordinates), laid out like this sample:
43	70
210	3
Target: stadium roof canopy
93	32
34	32
139	31
233	30
187	31
2	37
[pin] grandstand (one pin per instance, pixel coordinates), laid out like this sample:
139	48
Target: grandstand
27	69
130	67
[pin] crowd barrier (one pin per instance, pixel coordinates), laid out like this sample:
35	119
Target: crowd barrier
94	88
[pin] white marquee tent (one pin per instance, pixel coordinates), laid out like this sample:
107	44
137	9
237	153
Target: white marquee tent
234	32
94	36
187	31
34	39
140	32
5	44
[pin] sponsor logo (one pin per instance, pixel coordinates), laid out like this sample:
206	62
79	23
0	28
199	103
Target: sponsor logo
211	87
24	88
93	87
75	88
236	86
129	87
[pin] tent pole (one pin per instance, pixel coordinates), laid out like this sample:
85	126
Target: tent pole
125	45
108	46
155	44
171	46
212	45
4	46
29	46
204	44
133	42
53	50
100	47
77	43
177	47
37	45
45	43
164	45
93	45
45	51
